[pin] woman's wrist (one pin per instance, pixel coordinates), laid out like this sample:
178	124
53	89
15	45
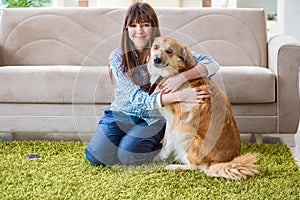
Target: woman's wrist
168	98
189	95
180	95
181	78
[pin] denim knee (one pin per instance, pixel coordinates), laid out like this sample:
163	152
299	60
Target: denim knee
92	159
131	158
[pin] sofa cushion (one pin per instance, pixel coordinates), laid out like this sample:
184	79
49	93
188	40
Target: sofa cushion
48	36
77	84
248	84
55	84
233	37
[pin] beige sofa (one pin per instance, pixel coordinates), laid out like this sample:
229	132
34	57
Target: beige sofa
54	77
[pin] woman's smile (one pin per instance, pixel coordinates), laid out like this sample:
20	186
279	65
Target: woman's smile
141	37
140	34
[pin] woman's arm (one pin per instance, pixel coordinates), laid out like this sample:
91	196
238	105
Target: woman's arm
206	67
190	95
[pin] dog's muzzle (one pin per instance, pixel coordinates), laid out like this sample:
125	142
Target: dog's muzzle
157	60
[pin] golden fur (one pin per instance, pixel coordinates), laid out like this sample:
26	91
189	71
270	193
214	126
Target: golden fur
200	136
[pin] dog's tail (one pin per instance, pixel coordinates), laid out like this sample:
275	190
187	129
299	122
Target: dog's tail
239	168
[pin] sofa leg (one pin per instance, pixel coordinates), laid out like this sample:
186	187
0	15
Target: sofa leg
258	138
13	136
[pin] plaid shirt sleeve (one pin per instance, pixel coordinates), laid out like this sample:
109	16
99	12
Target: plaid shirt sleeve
211	65
129	97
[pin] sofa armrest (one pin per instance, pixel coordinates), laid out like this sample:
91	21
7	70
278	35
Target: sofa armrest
1	54
284	61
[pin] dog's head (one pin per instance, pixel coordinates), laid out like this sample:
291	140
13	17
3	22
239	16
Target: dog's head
169	57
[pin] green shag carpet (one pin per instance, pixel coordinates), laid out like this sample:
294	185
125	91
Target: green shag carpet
64	173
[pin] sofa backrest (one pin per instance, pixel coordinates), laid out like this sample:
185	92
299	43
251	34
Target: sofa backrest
86	36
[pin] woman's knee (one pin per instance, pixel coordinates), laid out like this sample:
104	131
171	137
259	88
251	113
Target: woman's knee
130	158
93	161
127	157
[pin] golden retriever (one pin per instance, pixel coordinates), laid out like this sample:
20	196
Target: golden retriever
198	136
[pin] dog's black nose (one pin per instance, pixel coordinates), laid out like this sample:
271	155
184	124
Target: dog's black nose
157	60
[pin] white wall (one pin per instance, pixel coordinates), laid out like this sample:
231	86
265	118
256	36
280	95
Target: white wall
126	3
113	3
292	18
64	3
191	3
270	6
159	3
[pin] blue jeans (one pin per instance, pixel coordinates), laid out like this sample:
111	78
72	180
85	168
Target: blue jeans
123	139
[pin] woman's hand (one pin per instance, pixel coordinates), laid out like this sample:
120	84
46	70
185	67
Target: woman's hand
192	95
172	83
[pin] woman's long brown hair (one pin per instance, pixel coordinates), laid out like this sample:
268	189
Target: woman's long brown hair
137	13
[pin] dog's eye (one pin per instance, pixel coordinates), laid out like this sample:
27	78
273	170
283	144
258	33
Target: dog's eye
169	51
155	46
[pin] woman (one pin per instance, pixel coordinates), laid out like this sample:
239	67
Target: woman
131	130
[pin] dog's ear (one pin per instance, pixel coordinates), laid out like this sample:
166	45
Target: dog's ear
187	56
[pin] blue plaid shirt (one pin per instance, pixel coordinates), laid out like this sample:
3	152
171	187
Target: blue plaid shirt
130	99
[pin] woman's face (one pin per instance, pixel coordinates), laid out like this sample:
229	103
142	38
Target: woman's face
140	34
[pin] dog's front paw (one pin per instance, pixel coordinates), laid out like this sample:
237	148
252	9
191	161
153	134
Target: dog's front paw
162	156
178	167
165	155
157	158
